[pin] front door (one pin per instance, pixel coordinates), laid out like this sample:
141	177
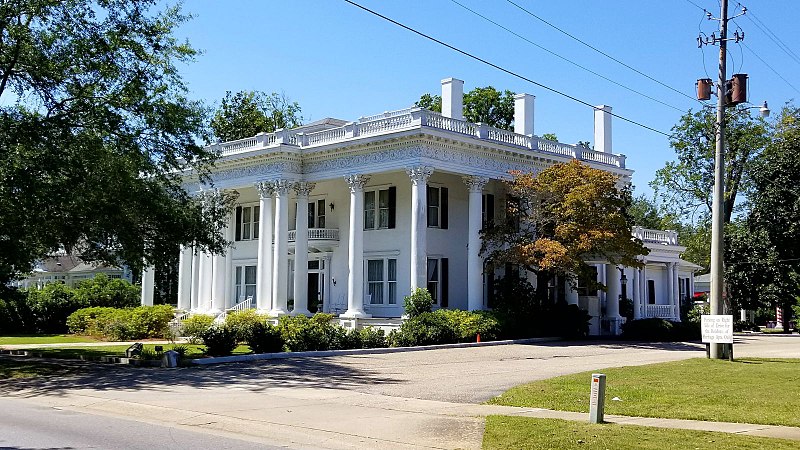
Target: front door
314	291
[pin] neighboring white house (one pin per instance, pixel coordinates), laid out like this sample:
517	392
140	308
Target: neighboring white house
69	270
419	186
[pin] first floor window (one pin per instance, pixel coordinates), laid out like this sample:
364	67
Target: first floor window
584	282
382	281
651	292
437	280
245	282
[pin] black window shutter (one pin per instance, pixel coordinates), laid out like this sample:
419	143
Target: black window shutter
490	288
443	207
489	210
238	223
445	281
392	206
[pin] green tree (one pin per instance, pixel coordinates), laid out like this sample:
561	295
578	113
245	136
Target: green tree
95	133
550	137
688	182
562	217
248	113
482	104
764	258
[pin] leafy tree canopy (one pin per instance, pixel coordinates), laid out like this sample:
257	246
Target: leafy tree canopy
248	113
557	220
688	182
95	128
763	251
482	104
550	137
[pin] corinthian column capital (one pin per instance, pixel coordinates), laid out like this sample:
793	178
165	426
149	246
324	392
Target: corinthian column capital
420	174
356	182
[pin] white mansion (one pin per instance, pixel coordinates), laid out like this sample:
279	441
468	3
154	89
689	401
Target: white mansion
349	217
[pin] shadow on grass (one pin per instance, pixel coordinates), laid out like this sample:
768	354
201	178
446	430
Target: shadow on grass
323	373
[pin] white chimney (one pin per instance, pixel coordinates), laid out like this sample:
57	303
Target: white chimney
523	114
453	98
602	128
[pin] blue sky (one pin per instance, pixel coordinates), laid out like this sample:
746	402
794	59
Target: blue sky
338	61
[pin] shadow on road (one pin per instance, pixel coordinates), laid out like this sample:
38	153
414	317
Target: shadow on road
322	373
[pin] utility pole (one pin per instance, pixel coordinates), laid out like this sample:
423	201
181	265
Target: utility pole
729	93
718	204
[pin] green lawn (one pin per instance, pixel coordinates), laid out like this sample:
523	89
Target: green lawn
194	351
44	339
763	391
19	368
503	432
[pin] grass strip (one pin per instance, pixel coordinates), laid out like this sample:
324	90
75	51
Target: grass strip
749	390
44	339
504	432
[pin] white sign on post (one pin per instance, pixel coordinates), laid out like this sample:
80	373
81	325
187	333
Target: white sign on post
717	328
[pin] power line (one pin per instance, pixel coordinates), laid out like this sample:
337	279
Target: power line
770	67
602	52
696	5
566	59
500	68
772	36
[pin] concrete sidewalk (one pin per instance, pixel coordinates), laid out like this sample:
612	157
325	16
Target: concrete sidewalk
311	418
84	344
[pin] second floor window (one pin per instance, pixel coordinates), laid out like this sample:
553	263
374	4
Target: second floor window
316	214
247	222
437	207
380	207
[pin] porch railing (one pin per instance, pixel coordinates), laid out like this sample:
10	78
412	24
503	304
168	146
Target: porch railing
317	234
660	311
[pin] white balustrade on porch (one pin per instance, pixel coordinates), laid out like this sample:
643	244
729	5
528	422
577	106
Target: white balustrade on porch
659	311
666	237
317	234
412	118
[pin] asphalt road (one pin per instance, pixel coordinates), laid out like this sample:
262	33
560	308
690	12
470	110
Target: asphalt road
27	425
421	399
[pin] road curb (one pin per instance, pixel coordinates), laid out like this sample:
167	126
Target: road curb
361	351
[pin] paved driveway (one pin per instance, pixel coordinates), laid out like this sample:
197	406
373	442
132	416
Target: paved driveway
400	400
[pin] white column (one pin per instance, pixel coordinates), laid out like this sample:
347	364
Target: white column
148	286
355	248
264	269
637	294
185	278
676	293
572	292
205	275
474	260
612	291
602	128
670	285
645	299
227	285
195	295
280	280
419	224
218	280
303	189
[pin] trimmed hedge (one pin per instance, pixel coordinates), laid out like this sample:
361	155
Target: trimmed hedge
660	330
194	326
122	323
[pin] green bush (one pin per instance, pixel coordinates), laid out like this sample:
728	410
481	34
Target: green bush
468	324
316	333
739	325
104	291
50	307
194	326
219	341
90	321
419	302
242	322
698	310
15	314
425	329
265	338
371	338
122	324
660	330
